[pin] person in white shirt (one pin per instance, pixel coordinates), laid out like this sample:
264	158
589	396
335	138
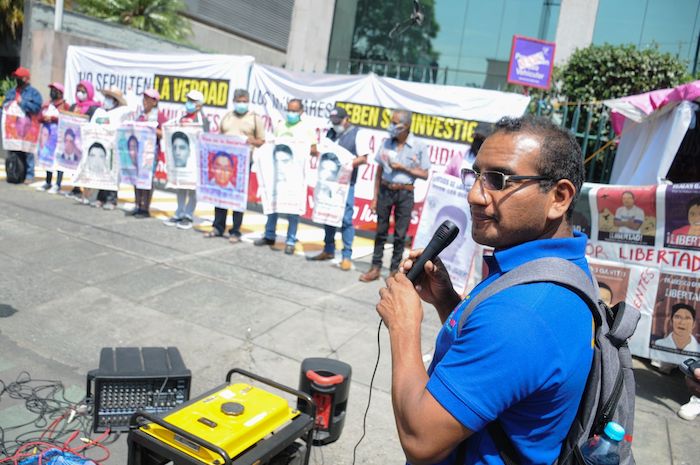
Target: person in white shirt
629	217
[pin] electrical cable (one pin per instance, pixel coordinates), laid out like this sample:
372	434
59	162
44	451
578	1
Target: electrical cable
369	397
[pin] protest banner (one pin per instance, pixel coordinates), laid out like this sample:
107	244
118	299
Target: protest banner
682	221
98	168
332	184
445	119
281	166
224	169
20	132
136	150
531	62
69	149
172	75
180	144
446	200
46	148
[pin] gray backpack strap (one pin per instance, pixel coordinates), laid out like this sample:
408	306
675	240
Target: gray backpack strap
550	269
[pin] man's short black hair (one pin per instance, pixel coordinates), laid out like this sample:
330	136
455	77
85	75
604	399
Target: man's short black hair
560	154
602	285
682	306
180	135
297	100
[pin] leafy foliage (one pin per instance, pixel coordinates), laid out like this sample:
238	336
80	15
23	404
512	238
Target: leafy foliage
161	17
11	18
607	71
375	19
5	85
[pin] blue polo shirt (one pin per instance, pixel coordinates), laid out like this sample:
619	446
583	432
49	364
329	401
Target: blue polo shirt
522	356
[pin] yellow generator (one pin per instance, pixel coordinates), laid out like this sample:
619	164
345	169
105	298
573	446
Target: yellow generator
233	424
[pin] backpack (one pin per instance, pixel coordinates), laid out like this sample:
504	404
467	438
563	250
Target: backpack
610	390
15	168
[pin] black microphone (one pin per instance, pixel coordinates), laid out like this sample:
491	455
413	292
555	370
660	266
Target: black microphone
445	234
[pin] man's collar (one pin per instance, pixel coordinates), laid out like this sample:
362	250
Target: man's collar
568	248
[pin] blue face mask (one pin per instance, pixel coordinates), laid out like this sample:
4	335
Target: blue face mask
190	107
293	117
240	108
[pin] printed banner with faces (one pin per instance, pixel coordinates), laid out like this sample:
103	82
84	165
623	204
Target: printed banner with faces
98	168
281	168
332	184
20	131
223	171
180	144
46	148
69	145
135	147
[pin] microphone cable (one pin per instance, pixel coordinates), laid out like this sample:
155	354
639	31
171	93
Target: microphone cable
369	397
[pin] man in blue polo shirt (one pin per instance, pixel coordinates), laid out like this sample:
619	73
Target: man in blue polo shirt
522	357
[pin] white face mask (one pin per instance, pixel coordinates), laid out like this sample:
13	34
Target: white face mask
81	96
338	128
110	103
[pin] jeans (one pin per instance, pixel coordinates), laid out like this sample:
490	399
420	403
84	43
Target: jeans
271	228
220	221
347	230
30	166
186	203
402	203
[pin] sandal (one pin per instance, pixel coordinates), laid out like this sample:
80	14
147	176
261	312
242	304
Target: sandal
212	233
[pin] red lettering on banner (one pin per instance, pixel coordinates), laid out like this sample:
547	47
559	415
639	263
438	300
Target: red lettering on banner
371	144
674	258
368	168
594	250
644	280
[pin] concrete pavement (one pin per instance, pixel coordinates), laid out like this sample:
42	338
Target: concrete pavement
74	279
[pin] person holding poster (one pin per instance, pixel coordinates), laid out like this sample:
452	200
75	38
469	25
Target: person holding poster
152	114
49	120
84	105
243	123
181	151
525	180
401	160
25	101
296	129
345	135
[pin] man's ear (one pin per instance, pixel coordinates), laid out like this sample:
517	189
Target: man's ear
562	194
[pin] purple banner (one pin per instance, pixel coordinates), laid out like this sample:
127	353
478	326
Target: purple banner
531	62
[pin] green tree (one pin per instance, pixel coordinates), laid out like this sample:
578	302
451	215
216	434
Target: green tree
12	17
607	71
161	17
374	20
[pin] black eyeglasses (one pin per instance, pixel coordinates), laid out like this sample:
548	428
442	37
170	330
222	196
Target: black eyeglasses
495	180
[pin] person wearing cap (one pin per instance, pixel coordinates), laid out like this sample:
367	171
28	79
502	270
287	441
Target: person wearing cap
346	135
187	198
244	123
29	100
114	111
150	112
49	114
293	127
401	160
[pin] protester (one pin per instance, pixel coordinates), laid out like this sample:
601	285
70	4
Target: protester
29	100
187	198
543	329
346	135
150	112
296	128
458	161
691	410
400	161
115	111
49	114
84	105
245	123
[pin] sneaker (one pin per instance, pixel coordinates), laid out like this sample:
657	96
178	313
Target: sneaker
289	249
44	187
184	223
234	239
691	410
109	206
132	212
54	190
323	256
84	201
372	275
96	204
142	214
172	221
264	241
346	264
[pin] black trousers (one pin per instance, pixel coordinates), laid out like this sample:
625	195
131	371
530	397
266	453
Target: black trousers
401	201
59	177
220	221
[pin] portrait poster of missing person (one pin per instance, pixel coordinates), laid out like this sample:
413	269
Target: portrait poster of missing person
627	214
98	168
332	183
135	148
613	282
20	131
445	200
281	167
46	148
69	147
675	329
223	171
181	146
682	221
